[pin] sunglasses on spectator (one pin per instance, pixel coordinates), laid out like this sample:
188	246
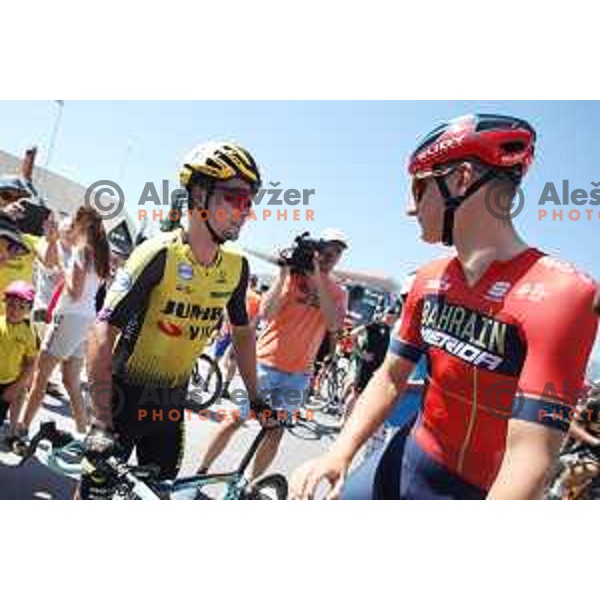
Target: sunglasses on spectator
18	302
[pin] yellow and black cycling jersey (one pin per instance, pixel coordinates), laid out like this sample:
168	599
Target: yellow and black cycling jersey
166	305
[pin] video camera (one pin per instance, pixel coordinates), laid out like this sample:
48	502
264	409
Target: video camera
34	210
300	256
34	216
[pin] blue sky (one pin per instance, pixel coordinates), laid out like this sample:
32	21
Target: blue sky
352	153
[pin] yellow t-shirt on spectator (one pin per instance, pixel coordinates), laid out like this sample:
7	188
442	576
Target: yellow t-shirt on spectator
20	268
17	341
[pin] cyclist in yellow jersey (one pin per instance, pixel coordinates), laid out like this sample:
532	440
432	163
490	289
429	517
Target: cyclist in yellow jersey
161	310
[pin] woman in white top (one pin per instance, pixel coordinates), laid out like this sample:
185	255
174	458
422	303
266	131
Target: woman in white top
47	278
75	312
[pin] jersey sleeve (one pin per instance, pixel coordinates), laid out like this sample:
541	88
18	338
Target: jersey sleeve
405	340
559	334
236	307
133	284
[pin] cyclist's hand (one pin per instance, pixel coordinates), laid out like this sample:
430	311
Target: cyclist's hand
100	442
264	413
51	228
95	485
306	478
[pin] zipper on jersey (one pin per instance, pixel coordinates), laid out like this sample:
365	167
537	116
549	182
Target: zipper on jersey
471	426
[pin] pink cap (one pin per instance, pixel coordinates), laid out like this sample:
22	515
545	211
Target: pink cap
20	289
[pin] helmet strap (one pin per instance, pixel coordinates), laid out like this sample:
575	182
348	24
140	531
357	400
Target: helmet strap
451	203
209	187
216	238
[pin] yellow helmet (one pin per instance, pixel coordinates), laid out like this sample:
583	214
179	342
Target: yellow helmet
222	161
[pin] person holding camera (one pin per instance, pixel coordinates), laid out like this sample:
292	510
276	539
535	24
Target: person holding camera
11	241
12	189
14	206
302	304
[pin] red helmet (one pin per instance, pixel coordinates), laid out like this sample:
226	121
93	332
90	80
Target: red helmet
499	141
20	289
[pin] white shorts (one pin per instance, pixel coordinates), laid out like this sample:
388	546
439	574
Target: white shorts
66	336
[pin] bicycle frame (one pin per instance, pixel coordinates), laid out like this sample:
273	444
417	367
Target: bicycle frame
66	460
236	481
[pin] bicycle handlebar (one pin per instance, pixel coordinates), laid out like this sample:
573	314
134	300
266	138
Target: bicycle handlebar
47	432
112	465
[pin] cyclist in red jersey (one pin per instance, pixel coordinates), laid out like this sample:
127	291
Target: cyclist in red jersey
507	332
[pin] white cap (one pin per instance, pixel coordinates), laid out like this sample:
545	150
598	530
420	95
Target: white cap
13	183
334	235
407	284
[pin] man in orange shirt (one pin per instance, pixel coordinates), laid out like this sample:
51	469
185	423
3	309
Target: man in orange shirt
298	309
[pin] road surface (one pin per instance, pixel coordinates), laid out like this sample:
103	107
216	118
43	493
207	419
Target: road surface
35	481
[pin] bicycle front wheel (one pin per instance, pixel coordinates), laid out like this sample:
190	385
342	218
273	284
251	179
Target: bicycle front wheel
207	384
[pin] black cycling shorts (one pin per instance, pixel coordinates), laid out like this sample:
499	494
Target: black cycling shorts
151	421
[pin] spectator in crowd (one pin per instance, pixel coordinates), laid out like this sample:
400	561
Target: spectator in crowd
118	257
372	341
299	309
47	279
75	312
11	241
20	267
12	189
18	349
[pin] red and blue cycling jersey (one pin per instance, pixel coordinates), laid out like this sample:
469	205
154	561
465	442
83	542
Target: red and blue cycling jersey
515	345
